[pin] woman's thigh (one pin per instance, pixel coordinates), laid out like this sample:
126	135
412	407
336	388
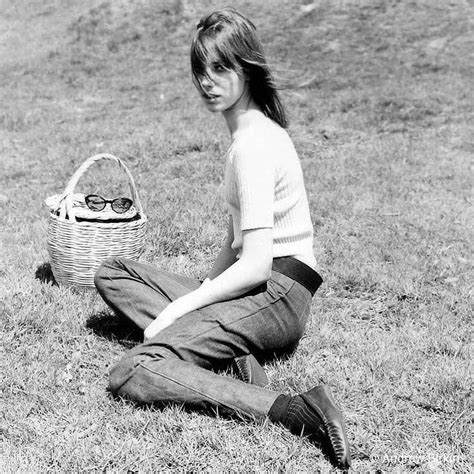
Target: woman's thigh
263	321
140	291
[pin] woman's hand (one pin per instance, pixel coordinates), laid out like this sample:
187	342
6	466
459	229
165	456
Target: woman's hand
168	316
173	311
160	323
251	270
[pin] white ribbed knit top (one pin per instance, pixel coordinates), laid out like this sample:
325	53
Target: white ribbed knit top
264	188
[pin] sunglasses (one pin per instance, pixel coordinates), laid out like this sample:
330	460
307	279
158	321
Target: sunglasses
97	203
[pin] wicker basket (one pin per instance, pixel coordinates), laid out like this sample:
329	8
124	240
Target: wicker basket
78	246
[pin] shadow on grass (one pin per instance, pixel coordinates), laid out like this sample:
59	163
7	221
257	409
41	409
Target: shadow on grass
45	275
115	328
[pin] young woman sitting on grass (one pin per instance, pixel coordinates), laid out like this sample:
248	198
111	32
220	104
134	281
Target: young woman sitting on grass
256	299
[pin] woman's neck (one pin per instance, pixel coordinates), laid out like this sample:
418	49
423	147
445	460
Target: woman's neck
241	116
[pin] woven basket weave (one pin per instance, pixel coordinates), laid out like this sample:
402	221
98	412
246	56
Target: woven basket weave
77	247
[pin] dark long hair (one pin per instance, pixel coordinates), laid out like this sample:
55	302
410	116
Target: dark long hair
230	39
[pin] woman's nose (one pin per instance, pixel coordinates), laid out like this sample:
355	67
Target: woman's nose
206	82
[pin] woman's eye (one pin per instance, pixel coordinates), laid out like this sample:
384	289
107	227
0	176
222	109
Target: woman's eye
218	68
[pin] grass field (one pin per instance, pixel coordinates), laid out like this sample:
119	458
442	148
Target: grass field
384	128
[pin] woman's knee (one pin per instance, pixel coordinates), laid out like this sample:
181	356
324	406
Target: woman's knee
124	380
121	374
104	275
130	378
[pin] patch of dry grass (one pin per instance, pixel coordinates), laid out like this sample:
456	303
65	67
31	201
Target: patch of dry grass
384	130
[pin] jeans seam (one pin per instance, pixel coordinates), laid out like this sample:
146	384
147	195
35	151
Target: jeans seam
260	309
202	394
218	323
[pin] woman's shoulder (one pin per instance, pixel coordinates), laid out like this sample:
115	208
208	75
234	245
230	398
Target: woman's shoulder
262	133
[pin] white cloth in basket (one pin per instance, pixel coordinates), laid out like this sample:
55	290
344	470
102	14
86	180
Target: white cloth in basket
81	211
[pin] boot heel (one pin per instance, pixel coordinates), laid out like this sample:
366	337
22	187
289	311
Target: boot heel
248	369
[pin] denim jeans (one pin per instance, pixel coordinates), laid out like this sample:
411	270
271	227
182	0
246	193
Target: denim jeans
177	364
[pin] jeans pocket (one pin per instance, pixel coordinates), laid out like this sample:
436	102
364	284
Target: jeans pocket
279	285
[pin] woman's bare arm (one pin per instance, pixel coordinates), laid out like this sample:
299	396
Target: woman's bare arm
250	270
226	257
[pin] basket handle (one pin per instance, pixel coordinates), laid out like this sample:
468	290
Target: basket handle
65	201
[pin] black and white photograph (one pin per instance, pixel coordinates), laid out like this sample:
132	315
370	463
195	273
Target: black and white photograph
236	236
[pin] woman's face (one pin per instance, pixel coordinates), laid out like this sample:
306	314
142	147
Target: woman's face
221	89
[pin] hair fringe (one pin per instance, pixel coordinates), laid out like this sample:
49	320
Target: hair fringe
231	38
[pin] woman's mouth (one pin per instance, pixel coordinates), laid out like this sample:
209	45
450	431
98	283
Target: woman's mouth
210	97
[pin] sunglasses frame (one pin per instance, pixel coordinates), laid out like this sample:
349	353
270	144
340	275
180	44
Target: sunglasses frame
108	201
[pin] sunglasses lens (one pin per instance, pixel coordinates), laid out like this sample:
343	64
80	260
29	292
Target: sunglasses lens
121	205
95	203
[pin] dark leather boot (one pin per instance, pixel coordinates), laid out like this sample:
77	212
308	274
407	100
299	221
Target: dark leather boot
320	400
249	370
